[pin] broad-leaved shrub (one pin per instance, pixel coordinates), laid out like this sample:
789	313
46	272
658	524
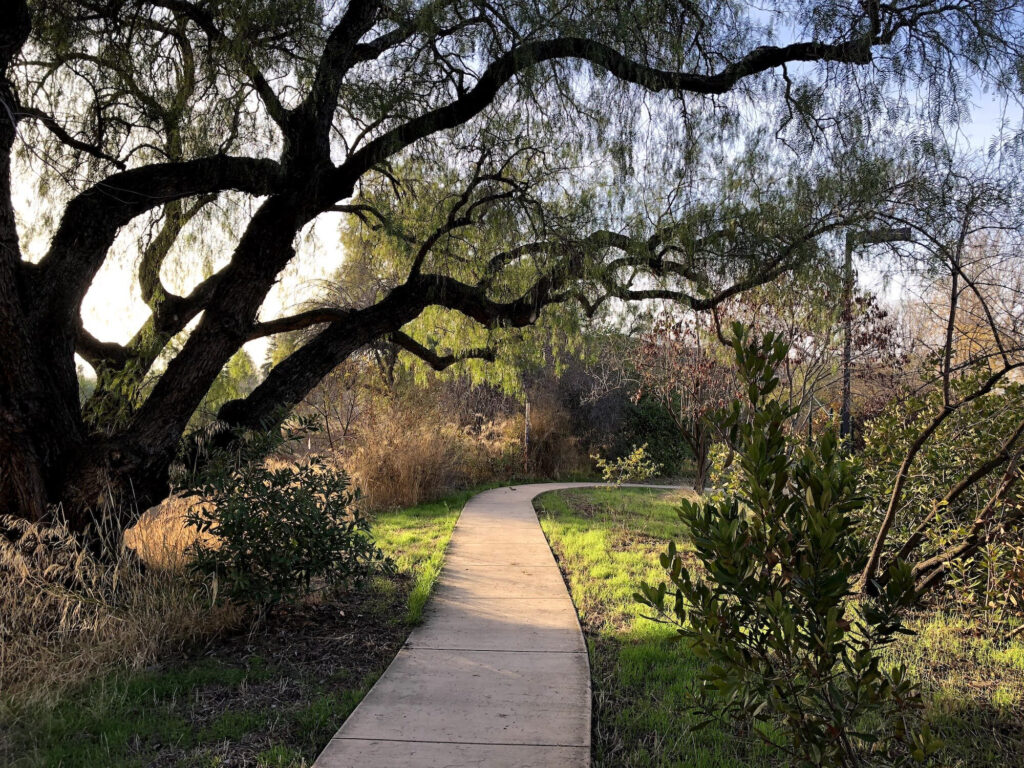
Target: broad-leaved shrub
272	534
770	610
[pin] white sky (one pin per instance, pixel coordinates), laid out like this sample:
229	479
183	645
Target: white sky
113	308
990	116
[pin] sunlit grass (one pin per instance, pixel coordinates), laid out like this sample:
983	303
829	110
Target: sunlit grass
608	540
416	538
974	687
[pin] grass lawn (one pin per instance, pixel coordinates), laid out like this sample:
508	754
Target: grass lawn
608	540
269	697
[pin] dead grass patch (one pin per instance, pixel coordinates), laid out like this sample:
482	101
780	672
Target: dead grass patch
65	617
408	457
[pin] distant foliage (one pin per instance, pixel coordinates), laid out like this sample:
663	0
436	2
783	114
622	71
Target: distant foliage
408	444
646	420
770	608
678	364
271	535
237	379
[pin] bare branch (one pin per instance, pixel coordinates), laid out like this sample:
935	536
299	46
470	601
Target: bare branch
206	22
298	322
531	54
436	361
99	354
58	130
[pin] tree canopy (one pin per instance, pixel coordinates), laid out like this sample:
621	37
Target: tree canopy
501	157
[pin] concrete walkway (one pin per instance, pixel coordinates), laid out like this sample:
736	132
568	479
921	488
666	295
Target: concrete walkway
497	675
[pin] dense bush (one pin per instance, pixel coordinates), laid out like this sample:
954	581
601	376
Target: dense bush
771	610
406	438
269	535
405	450
647	421
955	474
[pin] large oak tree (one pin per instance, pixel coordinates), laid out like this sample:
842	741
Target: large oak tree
159	116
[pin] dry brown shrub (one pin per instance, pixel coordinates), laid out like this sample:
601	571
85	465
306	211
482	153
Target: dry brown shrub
65	617
555	450
405	455
161	537
406	439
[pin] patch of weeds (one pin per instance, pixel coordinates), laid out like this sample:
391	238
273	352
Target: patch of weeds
280	756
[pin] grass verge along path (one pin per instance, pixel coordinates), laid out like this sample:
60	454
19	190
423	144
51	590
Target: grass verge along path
608	540
271	697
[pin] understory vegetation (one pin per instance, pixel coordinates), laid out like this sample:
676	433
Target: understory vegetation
247	615
407	435
769	607
608	540
151	671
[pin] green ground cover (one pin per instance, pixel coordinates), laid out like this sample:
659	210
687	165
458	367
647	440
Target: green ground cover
607	541
270	698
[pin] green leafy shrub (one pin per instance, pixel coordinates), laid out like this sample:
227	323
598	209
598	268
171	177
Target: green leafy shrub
269	535
724	474
635	467
770	610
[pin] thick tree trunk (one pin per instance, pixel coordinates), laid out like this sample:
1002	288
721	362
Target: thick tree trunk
296	376
29	441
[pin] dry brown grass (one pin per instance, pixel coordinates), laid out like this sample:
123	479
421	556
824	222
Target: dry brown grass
161	537
405	456
555	451
408	450
66	618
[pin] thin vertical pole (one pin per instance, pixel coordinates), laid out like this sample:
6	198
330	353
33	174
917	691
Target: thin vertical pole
881	235
526	440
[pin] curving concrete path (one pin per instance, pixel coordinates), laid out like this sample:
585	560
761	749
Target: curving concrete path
497	675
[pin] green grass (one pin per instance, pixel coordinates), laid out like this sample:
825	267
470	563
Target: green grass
974	689
416	539
235	707
608	540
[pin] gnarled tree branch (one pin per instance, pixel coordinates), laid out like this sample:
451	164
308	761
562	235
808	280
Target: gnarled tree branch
436	361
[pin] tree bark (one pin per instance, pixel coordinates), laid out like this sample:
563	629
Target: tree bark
36	431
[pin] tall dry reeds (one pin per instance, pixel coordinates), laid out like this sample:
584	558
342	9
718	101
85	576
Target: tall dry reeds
405	440
555	449
403	455
66	617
